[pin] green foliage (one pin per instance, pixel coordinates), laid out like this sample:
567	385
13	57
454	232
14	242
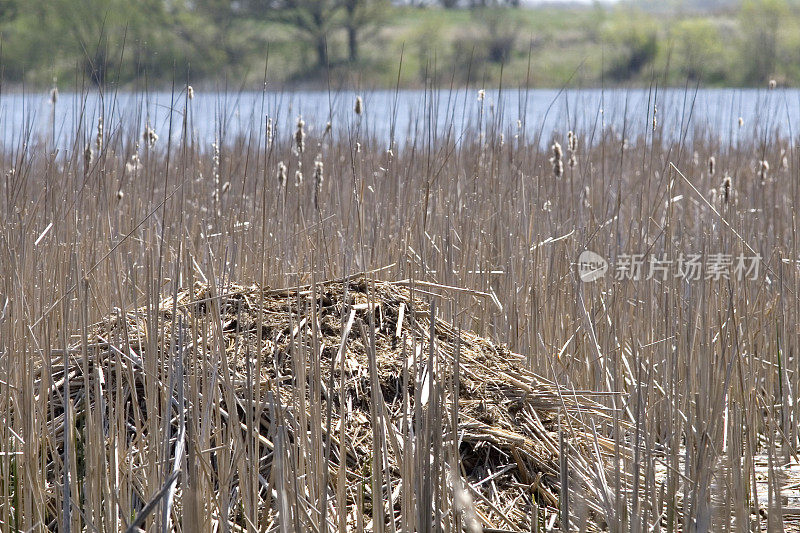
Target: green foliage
315	20
106	41
8	9
501	33
425	40
633	41
699	53
760	21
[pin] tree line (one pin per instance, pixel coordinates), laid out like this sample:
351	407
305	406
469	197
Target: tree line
158	32
304	41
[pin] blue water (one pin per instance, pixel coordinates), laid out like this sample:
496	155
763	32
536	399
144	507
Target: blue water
402	117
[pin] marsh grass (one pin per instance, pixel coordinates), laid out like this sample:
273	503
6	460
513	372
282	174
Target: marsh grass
700	377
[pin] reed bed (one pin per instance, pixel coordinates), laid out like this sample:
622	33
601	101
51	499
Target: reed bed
174	356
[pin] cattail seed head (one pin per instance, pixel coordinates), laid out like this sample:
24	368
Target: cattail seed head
281	174
572	142
727	189
300	135
557	153
132	166
298	178
772	84
99	140
88	156
328	128
216	161
190	92
572	148
269	130
481	95
763	171
53	95
318	172
711	163
556	160
149	136
741	122
120	194
318	179
655	117
558	169
466	507
359	105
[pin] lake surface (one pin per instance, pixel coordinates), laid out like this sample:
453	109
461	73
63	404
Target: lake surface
403	116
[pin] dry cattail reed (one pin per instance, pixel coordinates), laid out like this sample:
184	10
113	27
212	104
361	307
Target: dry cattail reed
88	157
132	166
298	178
727	189
281	174
318	173
359	107
300	135
318	179
190	92
215	172
711	164
465	506
713	196
572	148
763	171
215	160
54	96
99	140
556	160
149	136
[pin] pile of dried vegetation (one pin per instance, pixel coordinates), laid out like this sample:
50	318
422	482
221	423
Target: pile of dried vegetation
297	406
